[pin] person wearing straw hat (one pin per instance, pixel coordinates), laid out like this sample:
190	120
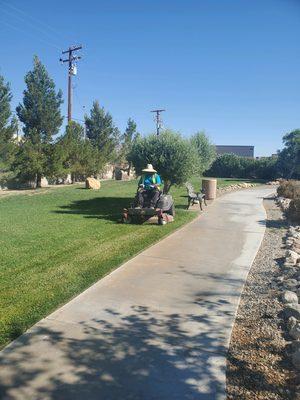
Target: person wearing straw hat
149	187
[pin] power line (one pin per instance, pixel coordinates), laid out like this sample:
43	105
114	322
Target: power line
31	25
158	120
29	34
35	20
76	119
72	70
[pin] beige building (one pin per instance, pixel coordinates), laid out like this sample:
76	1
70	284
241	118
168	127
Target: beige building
242	151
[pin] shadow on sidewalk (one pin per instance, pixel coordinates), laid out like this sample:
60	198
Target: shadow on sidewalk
143	354
137	356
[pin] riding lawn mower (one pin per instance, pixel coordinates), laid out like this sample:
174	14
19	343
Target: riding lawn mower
164	211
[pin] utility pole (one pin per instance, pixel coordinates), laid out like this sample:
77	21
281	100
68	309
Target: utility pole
72	70
158	120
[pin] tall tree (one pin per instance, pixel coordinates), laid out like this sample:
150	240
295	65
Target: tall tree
102	133
79	157
289	156
7	127
205	149
41	117
129	138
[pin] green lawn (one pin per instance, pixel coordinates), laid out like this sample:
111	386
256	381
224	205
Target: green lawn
57	242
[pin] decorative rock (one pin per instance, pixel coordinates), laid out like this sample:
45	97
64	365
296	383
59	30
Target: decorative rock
292	256
295	331
92	183
297	274
288	267
289	297
292	321
292	310
296	359
44	182
290	284
296	248
68	179
295	346
273	183
121	175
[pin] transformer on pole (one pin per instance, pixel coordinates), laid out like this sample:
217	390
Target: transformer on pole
72	70
158	120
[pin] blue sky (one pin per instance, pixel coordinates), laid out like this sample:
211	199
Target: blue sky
230	67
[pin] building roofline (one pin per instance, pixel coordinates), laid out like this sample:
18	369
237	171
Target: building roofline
234	145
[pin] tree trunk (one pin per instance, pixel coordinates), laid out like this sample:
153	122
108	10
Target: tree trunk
38	180
167	187
290	175
73	179
129	168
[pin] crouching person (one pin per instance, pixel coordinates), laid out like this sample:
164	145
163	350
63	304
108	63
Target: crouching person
148	188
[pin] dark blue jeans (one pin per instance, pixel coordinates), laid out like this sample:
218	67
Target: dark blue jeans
148	198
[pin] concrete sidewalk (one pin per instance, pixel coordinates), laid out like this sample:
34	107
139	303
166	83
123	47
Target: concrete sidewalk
157	328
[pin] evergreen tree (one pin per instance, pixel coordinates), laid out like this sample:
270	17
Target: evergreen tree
78	156
129	138
8	126
102	133
41	117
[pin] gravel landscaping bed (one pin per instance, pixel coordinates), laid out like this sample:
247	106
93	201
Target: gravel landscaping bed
258	366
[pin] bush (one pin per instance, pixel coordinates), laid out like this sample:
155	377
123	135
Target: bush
233	166
171	155
225	165
205	149
289	189
7	180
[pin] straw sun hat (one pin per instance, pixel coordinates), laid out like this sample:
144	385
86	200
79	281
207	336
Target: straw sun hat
149	168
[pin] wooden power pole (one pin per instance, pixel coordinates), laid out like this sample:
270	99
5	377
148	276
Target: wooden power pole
158	120
72	70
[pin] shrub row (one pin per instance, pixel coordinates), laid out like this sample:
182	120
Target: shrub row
233	166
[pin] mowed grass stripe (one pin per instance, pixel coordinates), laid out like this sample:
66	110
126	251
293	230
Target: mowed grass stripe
57	242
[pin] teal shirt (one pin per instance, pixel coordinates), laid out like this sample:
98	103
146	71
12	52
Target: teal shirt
147	180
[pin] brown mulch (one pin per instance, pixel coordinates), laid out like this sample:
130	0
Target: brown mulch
257	366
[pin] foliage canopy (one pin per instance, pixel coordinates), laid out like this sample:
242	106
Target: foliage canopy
171	155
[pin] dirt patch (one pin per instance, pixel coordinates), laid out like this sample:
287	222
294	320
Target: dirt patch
31	192
257	366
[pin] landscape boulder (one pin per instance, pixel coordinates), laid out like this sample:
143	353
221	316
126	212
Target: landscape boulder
289	267
292	321
296	359
295	331
44	182
289	297
121	175
292	310
92	183
290	284
273	183
292	256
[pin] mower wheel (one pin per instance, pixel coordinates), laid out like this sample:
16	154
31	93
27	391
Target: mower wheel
161	221
126	220
172	210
